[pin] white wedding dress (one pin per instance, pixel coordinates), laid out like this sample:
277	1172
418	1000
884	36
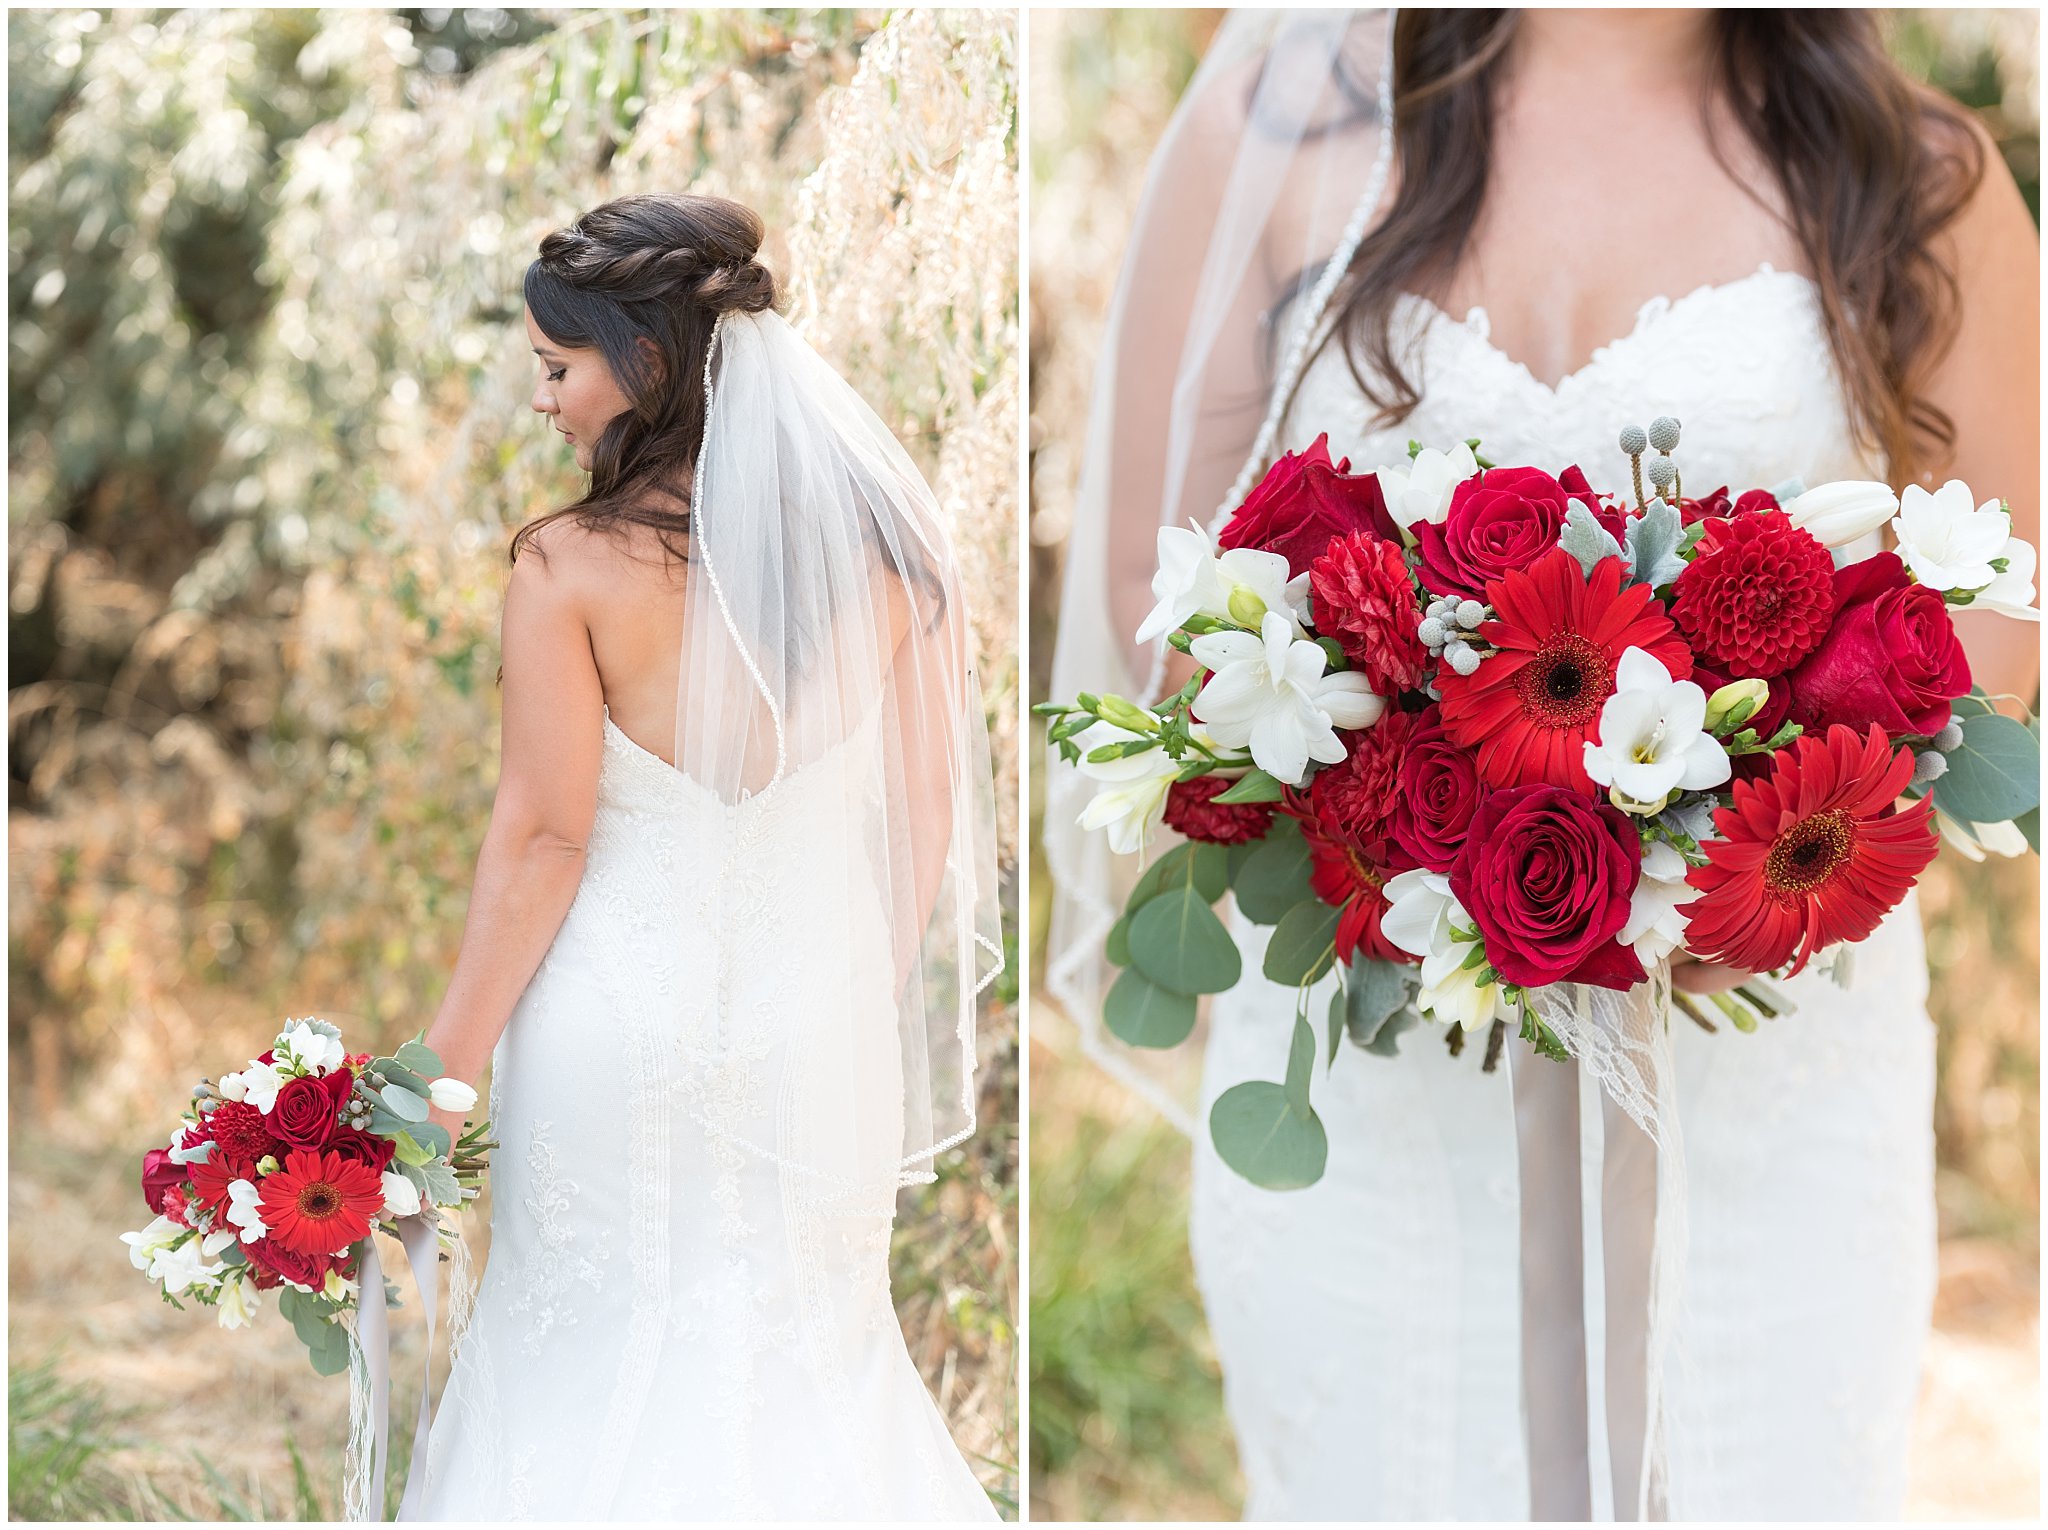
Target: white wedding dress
673	1325
1368	1326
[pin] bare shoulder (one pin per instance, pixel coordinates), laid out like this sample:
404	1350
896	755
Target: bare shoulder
1994	215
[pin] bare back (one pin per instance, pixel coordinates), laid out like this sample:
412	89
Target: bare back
634	609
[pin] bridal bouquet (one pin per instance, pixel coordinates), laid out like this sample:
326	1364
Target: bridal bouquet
1464	731
278	1174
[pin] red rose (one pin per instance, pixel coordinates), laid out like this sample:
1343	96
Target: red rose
1891	658
308	1109
159	1175
1364	599
1504	519
362	1147
272	1262
1438	791
1547	876
1190	811
1303	503
1717	507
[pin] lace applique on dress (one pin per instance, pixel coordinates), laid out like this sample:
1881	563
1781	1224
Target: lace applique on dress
566	1255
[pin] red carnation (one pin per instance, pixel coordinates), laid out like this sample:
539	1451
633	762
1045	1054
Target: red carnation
1891	659
1548	877
1715	506
1304	503
242	1130
1758	596
1358	798
1366	601
1529	709
1814	853
320	1202
1436	794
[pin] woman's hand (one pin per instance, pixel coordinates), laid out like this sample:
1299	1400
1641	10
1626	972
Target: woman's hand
452	1119
1691	975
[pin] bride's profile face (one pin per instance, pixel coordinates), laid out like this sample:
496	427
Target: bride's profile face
576	391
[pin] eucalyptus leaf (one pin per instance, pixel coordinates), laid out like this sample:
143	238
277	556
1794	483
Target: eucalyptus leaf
384	1124
1259	1133
1116	946
1653	539
333	1359
1994	774
1301	1061
409	1149
1178	942
2029	824
421	1058
1140	1013
1303	946
432	1138
1586	539
403	1103
1273	879
395	1072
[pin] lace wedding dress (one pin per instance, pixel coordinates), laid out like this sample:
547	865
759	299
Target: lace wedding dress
1368	1326
674	1324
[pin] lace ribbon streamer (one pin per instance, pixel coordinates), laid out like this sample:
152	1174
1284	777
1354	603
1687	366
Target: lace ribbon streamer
370	1372
1622	1041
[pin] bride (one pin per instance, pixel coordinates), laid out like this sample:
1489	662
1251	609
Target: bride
729	923
1581	220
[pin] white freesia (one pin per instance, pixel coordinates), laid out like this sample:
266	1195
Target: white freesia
1421	490
1423	918
1973	840
1132	797
245	1209
2012	592
1655	927
317	1052
185	1267
1269	694
1241	584
260	1083
401	1195
451	1094
1652	741
339	1287
1836	514
236	1304
1947	539
144	1246
231	1087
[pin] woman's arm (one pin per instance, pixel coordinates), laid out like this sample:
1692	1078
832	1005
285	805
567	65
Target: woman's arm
1989	383
532	857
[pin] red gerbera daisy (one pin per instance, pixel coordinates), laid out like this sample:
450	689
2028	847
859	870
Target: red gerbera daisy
210	1179
1529	709
1342	877
320	1202
1759	596
1815	852
1365	599
1192	810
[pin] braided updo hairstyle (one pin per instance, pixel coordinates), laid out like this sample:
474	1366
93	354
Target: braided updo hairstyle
643	279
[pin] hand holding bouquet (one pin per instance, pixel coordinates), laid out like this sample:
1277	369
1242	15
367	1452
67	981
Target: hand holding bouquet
1465	732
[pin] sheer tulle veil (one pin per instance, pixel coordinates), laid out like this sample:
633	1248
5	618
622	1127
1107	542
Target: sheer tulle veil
827	660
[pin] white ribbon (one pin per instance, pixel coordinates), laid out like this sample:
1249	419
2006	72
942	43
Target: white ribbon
370	1379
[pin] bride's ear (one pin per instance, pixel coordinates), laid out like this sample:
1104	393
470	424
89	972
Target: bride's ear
655	357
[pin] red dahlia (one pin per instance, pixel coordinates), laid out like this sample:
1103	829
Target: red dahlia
241	1129
1816	852
320	1202
1191	810
1758	597
1358	799
1366	601
1529	709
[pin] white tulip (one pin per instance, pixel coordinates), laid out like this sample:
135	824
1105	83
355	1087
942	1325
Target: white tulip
401	1195
245	1209
1974	840
237	1303
1651	741
1947	539
1240	585
1132	798
1269	694
451	1094
231	1087
1836	514
316	1051
1655	927
1421	490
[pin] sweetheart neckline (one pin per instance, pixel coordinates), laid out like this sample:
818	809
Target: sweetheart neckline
1648	314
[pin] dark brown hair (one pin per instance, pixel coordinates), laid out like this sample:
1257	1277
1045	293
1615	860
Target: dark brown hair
1872	168
643	279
